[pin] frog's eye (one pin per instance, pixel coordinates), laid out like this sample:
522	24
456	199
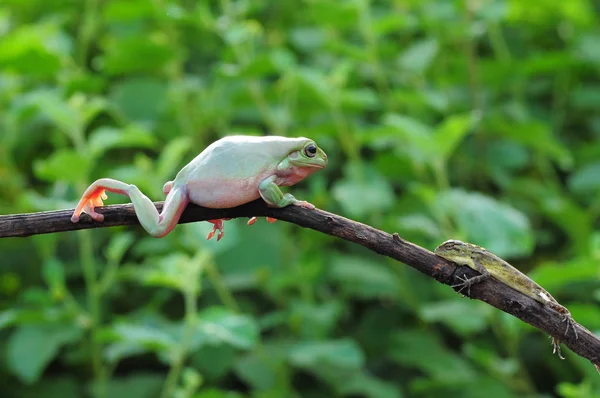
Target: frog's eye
310	150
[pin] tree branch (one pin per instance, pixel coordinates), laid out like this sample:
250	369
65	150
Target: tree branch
490	291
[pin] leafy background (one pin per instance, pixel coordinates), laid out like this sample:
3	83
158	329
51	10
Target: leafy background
476	120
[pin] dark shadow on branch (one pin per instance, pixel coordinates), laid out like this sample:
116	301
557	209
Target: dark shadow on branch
490	291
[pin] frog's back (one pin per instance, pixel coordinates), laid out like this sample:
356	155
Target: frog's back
227	173
239	157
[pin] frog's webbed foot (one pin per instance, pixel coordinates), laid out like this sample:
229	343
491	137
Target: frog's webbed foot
218	226
270	220
93	197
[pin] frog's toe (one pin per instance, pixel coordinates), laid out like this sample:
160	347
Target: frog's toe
88	203
167	187
305	204
93	214
252	220
217	226
271	220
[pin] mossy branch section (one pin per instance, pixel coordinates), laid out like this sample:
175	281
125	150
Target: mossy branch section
491	291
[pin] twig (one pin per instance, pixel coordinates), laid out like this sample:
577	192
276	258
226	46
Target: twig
491	291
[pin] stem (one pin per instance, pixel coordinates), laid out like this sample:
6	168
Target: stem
88	265
346	139
222	291
492	291
365	24
522	380
86	31
188	334
175	74
254	87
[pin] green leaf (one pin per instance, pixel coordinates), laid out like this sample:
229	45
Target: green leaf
588	48
307	38
214	361
131	11
451	313
259	371
67	116
538	136
555	274
147	335
363	278
63	165
265	368
422	350
363	191
371	387
118	245
32	347
34	49
450	133
8	318
343	353
585	181
176	271
315	320
419	56
140	99
216	393
135	385
560	209
136	54
482	220
172	156
131	339
219	325
411	138
316	85
105	138
54	275
53	387
360	99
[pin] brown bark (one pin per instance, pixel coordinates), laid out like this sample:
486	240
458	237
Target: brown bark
491	291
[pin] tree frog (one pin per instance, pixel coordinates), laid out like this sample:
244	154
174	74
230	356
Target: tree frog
230	172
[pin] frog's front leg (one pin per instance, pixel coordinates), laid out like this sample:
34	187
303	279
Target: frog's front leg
271	194
157	225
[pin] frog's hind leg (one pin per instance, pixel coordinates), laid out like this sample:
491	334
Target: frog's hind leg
157	225
93	196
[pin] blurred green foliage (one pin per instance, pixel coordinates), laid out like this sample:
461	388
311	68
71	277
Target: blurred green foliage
475	120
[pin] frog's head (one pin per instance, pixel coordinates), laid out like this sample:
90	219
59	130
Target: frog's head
309	155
